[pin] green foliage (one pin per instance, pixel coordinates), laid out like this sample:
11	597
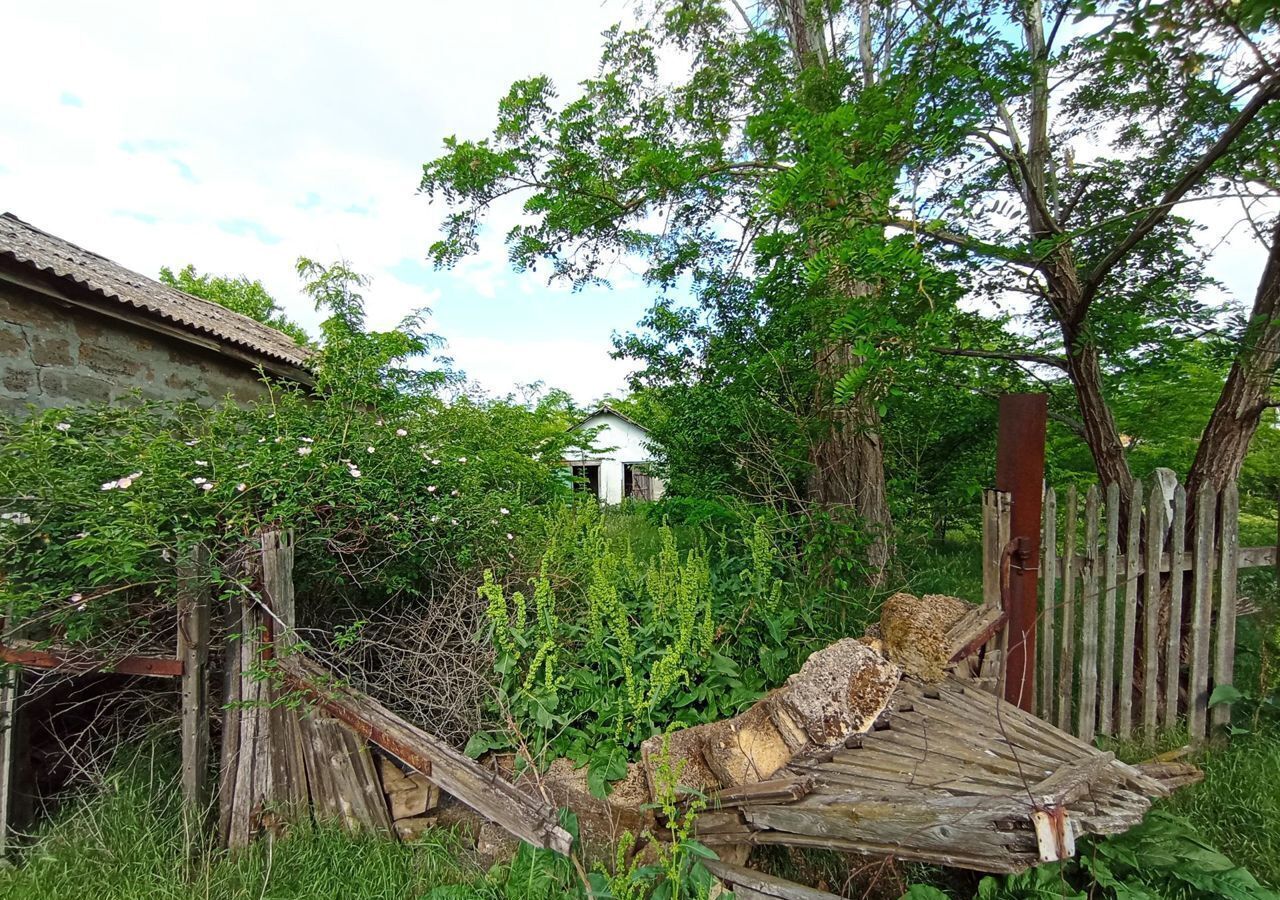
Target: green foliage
613	647
1237	806
249	298
1163	857
374	475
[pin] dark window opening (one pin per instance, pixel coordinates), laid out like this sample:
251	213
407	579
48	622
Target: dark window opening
636	483
587	478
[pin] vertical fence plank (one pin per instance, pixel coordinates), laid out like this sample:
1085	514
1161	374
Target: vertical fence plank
1151	614
1202	610
1173	648
1124	727
1049	545
10	680
1107	685
990	552
1224	660
1066	661
1086	720
193	650
1004	533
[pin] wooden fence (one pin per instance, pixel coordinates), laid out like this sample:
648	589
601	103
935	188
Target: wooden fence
1111	655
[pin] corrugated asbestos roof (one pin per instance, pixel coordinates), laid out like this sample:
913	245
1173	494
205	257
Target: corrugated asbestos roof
44	252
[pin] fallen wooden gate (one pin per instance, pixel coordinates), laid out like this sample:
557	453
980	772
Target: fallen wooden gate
950	775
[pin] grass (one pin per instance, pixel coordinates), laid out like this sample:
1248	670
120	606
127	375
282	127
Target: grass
126	841
1237	806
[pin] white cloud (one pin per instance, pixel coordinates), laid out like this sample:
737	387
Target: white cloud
168	134
583	368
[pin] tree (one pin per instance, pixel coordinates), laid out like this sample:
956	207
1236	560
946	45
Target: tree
249	298
754	177
1089	136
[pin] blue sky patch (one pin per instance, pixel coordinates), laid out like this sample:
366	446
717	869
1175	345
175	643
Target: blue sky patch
248	228
144	218
69	99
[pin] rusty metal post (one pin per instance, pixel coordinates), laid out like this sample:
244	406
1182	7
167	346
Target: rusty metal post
1020	473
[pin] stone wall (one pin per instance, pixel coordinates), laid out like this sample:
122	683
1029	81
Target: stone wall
53	356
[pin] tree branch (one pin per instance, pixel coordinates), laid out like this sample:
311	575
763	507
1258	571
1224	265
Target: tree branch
1269	91
1040	359
964	242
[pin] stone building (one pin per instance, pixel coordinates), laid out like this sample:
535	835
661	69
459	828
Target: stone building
77	328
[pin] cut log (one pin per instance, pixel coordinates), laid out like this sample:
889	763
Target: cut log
840	690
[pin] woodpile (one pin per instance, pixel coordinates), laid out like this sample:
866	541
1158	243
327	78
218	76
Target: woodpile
411	798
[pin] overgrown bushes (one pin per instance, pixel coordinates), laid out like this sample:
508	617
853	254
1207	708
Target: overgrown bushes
603	647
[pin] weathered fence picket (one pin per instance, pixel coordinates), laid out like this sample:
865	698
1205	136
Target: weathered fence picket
1156	667
1151	613
1067	659
1125	725
1048	606
1108	660
1173	645
1224	660
1201	616
1087	710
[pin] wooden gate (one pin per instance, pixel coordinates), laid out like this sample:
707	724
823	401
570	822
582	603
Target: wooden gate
1112	657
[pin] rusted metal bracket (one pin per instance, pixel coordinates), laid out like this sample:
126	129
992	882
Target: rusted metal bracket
1055	833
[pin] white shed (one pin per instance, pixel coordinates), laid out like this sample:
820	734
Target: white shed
620	467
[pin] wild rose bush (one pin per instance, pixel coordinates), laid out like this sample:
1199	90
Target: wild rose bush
388	487
101	502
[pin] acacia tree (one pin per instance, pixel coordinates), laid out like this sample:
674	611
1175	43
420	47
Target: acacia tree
747	157
1089	136
249	298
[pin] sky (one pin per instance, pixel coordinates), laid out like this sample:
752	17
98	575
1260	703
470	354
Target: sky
239	136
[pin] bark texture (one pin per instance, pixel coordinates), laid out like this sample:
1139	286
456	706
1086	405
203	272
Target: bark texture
848	458
1247	392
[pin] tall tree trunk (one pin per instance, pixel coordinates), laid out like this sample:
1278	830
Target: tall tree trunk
845	451
847	456
1247	392
1084	369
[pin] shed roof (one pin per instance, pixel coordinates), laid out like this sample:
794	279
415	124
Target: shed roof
45	253
606	409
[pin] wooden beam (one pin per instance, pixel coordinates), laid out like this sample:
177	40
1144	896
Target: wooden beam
1246	558
72	661
748	884
193	652
9	683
